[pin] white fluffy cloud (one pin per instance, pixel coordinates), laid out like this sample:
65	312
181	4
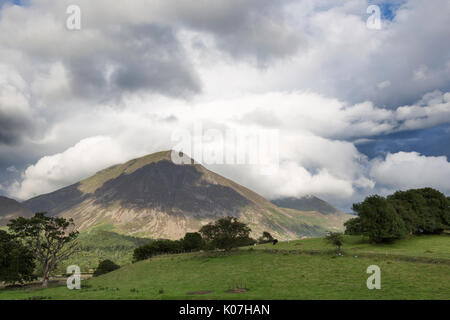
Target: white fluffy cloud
405	170
62	169
74	102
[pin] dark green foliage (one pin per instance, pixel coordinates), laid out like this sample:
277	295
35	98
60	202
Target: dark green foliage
227	233
51	239
336	239
265	238
192	241
16	260
156	247
105	266
423	210
379	220
417	211
353	226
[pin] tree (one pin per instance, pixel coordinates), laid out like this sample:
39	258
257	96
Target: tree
192	241
227	233
50	238
379	220
353	226
105	266
336	239
423	210
265	238
16	260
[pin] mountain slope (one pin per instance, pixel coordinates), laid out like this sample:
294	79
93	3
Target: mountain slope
306	203
11	209
151	196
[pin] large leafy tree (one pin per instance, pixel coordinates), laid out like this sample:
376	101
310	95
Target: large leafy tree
16	260
227	233
379	220
353	226
50	238
423	210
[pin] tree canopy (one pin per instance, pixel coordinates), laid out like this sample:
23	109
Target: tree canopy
414	211
51	239
16	260
227	233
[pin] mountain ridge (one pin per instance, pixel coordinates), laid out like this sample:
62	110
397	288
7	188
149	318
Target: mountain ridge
306	203
153	197
11	209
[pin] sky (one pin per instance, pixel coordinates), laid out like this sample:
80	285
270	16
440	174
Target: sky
358	111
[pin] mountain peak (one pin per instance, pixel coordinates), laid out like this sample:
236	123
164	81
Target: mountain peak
91	184
155	197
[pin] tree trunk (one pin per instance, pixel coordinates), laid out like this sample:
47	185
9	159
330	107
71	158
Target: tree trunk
45	282
46	276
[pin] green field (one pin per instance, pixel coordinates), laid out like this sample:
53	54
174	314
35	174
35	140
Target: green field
415	268
426	246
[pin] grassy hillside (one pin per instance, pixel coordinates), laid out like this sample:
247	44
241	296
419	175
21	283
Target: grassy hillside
426	246
286	274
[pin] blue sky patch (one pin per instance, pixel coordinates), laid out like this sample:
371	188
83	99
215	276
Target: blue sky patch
388	8
430	142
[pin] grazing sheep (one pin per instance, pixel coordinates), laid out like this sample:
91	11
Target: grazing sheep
275	241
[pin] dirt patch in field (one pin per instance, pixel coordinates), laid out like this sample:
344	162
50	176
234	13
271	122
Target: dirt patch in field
200	292
237	291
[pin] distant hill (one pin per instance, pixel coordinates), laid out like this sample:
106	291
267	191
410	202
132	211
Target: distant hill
154	197
11	209
306	203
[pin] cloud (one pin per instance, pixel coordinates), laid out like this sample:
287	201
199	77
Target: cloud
99	62
318	155
15	111
405	170
136	72
62	169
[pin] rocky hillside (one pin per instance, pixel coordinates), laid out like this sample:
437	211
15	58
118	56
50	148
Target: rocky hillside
10	209
153	197
306	203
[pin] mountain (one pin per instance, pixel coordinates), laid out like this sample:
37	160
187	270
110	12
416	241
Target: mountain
10	209
306	203
154	197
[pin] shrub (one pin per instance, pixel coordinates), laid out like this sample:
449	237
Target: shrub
192	241
105	266
157	247
336	239
265	238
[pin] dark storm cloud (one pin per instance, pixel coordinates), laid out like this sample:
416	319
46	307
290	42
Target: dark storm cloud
254	29
12	128
143	57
